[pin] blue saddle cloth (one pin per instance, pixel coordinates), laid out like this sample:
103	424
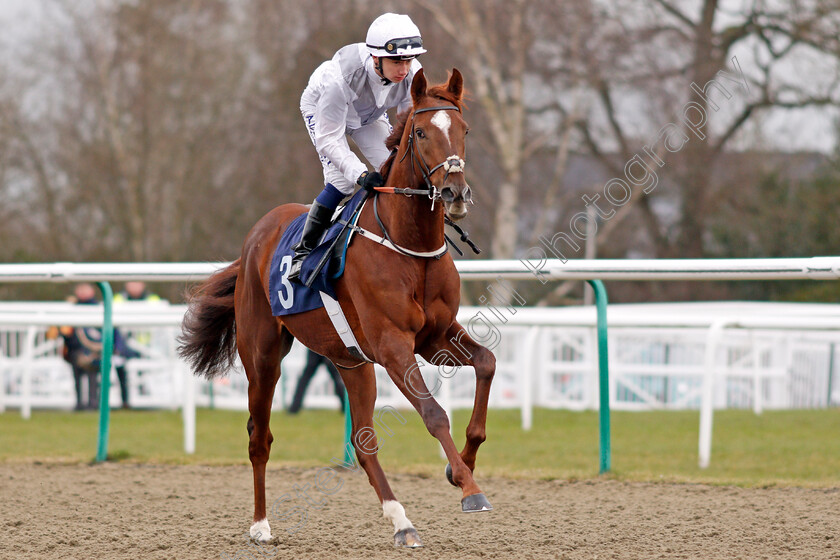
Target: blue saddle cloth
288	297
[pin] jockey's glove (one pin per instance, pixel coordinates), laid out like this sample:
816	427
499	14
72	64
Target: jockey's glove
370	180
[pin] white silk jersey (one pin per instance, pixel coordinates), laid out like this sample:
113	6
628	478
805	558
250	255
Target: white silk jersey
345	94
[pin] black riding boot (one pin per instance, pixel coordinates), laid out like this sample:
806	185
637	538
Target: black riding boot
317	222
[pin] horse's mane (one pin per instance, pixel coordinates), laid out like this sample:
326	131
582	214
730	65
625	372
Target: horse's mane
438	91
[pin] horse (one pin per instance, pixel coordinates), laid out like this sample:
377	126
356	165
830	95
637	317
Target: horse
404	305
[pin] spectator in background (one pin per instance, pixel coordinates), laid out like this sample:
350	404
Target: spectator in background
134	291
313	360
83	350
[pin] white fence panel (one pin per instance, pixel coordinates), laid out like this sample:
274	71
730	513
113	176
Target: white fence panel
652	367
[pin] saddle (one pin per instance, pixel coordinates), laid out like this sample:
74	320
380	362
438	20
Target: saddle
325	264
288	297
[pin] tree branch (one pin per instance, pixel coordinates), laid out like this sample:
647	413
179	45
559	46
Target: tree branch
676	13
604	93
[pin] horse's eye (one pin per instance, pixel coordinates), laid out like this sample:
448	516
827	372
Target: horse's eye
419	132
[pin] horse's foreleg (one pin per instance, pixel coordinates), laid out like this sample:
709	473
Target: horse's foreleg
261	357
361	392
405	373
458	349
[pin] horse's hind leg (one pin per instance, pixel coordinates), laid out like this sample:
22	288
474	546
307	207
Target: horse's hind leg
262	345
361	392
458	349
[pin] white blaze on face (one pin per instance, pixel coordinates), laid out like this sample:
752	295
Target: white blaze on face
443	122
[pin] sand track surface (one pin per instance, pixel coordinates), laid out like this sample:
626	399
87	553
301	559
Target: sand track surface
201	512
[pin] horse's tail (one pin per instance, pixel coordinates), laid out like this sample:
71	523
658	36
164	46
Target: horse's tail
208	340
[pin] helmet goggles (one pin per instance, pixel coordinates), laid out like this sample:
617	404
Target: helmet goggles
404	48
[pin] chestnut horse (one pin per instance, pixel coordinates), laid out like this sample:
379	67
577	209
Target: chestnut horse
397	305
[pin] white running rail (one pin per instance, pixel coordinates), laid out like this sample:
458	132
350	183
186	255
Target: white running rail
814	319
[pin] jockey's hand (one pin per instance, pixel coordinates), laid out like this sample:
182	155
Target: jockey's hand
369	180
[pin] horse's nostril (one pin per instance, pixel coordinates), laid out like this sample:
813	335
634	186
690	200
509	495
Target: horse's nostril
447	195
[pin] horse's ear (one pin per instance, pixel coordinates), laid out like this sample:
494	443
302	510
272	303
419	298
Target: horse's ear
456	83
418	86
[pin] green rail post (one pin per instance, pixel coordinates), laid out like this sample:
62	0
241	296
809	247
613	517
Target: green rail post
105	369
604	374
348	431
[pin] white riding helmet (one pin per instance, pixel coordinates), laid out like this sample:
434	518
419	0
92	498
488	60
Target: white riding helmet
394	36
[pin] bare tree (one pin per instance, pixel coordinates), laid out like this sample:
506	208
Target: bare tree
711	71
162	130
506	47
139	145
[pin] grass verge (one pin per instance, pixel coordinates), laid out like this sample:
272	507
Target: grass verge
797	447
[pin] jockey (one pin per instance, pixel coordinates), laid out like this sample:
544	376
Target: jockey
349	96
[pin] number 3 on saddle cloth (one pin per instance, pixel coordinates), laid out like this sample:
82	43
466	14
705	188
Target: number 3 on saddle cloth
289	297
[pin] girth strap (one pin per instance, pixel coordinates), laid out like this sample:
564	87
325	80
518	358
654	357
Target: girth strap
342	327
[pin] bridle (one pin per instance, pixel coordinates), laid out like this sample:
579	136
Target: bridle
452	164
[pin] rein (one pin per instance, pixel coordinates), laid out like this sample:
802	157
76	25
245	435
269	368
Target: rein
408	252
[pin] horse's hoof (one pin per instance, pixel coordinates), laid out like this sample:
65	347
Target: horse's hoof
260	531
407	538
449	474
475	503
